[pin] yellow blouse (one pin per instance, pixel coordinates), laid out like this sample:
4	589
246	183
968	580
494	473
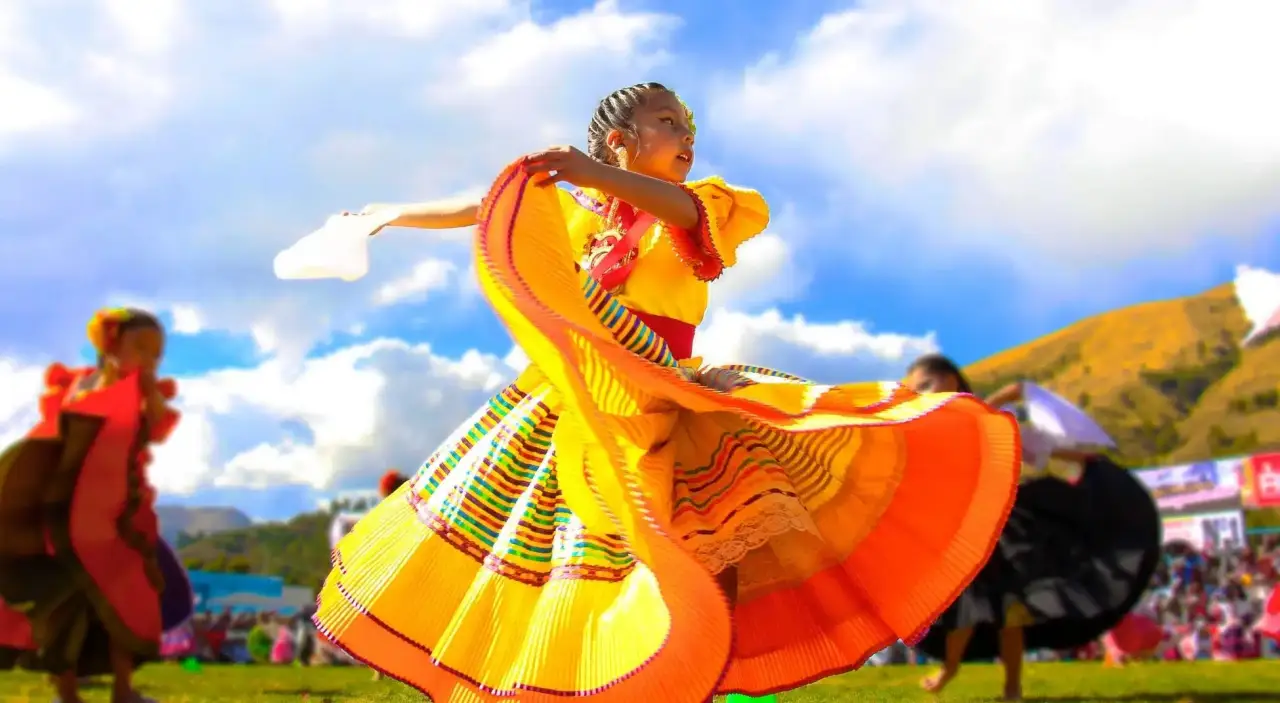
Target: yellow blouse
660	283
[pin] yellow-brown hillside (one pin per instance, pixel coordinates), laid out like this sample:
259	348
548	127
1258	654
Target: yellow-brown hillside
1167	379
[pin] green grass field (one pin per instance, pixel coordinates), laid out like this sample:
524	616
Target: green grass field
1206	682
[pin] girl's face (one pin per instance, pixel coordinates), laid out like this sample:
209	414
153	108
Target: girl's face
663	143
922	381
139	349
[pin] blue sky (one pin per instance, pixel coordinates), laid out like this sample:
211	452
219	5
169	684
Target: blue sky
940	178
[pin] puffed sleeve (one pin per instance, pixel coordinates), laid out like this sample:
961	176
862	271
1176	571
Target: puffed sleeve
58	380
161	430
729	216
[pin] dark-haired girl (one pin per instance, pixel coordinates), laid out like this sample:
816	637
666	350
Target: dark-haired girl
78	531
1080	548
624	524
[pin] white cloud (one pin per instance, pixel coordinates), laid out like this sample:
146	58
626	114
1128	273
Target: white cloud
1078	133
145	26
767	271
99	67
186	319
355	412
516	359
22	384
516	79
31	107
407	19
426	277
837	352
186	462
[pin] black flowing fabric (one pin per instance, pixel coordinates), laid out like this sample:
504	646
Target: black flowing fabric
1077	556
177	601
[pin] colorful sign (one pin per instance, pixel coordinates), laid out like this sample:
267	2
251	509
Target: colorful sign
1218	530
1194	488
1260	480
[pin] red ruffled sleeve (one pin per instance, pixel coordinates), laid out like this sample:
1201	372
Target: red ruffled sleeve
169	419
58	381
727	217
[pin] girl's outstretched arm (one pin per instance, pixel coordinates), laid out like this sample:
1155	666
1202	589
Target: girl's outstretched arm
666	201
437	214
1010	394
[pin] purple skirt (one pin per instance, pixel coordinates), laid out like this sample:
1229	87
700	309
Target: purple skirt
177	601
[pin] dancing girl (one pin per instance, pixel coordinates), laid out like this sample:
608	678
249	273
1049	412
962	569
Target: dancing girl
1079	549
622	523
80	578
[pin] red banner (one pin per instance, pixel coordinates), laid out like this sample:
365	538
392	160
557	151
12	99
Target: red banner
1260	487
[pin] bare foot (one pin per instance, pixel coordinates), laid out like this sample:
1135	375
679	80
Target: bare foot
1012	692
934	683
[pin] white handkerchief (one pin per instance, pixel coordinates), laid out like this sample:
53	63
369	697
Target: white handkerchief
339	249
1060	421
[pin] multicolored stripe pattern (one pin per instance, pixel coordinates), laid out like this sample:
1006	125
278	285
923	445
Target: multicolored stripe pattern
492	492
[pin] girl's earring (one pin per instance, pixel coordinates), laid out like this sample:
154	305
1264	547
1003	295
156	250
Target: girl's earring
621	155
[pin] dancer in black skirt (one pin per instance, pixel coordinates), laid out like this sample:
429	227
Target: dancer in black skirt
1074	557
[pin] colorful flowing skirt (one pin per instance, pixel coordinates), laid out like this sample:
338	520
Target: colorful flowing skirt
78	535
1074	559
564	541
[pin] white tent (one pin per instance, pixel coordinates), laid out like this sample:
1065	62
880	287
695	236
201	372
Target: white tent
1258	291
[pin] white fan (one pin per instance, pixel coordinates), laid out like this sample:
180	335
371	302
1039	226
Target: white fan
339	249
1053	422
1258	291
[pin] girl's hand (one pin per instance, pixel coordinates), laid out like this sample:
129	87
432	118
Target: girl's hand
147	382
564	163
1008	395
155	402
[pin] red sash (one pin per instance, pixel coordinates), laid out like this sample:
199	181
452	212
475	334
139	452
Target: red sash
613	269
677	334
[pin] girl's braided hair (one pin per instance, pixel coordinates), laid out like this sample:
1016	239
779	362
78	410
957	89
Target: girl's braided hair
617	111
940	365
109	324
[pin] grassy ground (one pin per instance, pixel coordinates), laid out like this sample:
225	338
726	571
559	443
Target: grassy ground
1251	682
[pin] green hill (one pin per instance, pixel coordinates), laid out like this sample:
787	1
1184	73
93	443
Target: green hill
1168	379
297	550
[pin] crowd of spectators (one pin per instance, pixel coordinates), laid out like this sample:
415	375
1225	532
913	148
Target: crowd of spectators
252	637
1206	601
